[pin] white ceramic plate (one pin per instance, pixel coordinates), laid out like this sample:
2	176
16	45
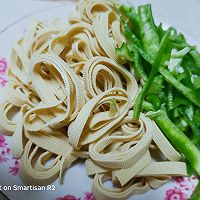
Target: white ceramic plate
76	182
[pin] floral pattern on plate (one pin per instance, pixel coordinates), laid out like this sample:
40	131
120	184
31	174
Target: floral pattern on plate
184	187
4	150
3	71
87	196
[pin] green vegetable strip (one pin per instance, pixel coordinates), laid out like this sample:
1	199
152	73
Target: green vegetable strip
134	43
196	56
193	126
154	71
196	117
196	131
113	107
155	100
157	86
138	66
146	43
178	101
124	52
148	106
160	31
187	92
179	139
170	98
148	34
131	14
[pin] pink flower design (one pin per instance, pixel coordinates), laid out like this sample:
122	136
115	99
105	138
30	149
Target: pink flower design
181	181
186	184
3	81
2	141
3	66
68	197
14	170
175	194
192	178
3	145
8	150
3	157
89	196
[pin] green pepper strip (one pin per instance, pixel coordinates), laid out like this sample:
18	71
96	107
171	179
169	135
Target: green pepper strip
195	129
170	98
155	100
134	43
183	145
179	140
125	53
148	106
131	14
154	71
187	92
138	66
148	33
196	56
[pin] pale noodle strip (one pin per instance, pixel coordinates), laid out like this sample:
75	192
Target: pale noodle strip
125	175
130	154
77	128
107	73
136	186
156	182
7	126
17	138
164	145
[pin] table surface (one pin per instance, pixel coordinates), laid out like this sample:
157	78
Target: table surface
183	15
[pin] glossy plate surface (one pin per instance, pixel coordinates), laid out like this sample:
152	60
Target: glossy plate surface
77	184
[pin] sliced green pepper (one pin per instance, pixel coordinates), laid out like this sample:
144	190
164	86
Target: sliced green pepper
157	62
187	92
179	140
148	34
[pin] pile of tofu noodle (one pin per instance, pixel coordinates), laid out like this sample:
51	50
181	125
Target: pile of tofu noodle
73	100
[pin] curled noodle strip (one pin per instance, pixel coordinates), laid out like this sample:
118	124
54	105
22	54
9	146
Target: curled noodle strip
37	172
7	125
102	73
110	155
35	40
20	95
85	38
132	149
75	44
54	82
97	128
100	24
89	9
136	186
